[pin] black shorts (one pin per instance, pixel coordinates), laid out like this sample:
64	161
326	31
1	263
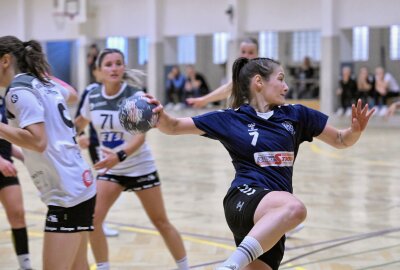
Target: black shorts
78	218
240	204
8	181
133	183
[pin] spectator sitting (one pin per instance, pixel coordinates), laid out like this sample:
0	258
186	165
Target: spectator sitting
347	91
196	85
385	87
175	87
365	83
304	75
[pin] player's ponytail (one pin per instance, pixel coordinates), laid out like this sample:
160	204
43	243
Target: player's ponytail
243	71
134	77
28	56
240	83
34	61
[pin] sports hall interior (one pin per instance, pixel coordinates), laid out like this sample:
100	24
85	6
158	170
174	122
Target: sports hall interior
352	195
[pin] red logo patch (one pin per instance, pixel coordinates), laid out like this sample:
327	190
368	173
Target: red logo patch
87	178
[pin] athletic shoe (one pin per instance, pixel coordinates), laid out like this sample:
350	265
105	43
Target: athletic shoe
295	230
109	232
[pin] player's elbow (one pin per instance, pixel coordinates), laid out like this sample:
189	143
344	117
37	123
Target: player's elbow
40	146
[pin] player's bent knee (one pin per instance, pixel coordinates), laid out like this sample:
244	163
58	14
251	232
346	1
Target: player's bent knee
297	212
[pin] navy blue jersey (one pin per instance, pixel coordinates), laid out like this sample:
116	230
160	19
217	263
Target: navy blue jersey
263	150
5	146
92	133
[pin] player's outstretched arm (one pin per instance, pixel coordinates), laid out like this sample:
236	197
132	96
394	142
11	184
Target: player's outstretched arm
344	138
171	125
221	93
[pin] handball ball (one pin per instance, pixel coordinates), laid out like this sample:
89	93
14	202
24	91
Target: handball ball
136	115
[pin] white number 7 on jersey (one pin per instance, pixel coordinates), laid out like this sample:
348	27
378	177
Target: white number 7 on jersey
255	137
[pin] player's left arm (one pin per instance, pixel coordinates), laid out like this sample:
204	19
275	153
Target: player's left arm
111	157
343	138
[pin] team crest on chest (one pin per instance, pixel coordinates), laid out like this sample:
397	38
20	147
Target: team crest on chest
289	127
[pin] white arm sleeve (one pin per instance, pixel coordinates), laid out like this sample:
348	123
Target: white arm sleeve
25	106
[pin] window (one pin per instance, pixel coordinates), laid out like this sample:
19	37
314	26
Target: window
268	44
119	43
360	43
220	48
306	43
186	49
143	47
395	42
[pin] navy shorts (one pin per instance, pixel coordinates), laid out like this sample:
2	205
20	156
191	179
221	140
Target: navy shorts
8	181
74	219
133	183
240	204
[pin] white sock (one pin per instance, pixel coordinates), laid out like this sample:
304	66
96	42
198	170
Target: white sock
103	266
24	261
248	250
183	263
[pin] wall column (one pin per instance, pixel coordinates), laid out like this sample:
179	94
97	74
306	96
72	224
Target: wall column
155	67
236	31
330	56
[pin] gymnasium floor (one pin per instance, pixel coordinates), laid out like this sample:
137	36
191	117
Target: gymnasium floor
352	198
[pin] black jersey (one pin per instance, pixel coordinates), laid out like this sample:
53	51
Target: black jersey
263	149
5	146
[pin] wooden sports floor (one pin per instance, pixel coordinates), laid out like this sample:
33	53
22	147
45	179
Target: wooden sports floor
352	198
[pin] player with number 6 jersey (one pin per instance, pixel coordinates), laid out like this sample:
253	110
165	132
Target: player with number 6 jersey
40	124
30	101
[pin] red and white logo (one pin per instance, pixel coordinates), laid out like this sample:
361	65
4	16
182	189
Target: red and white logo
274	159
87	178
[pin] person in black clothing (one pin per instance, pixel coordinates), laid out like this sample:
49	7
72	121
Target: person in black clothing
195	85
347	91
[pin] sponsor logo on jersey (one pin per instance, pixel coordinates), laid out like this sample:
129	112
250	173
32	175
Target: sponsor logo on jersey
289	127
111	139
87	178
14	98
97	104
51	91
251	127
274	159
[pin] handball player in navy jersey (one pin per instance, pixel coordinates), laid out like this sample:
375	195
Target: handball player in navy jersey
262	135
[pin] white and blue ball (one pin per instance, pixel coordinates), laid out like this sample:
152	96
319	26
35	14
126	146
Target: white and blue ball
136	115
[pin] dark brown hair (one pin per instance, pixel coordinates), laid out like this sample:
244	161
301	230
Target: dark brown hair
29	56
243	70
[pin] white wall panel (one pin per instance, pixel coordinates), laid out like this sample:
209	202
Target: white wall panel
282	15
120	18
368	12
183	17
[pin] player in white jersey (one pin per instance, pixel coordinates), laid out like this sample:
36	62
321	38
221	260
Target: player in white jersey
41	125
126	163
